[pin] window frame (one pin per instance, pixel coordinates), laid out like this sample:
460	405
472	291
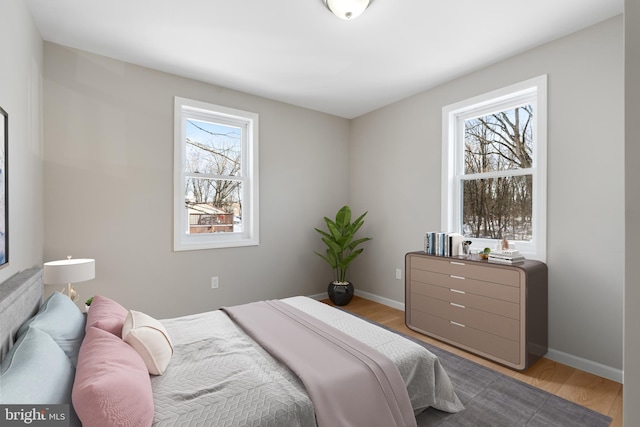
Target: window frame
532	91
182	241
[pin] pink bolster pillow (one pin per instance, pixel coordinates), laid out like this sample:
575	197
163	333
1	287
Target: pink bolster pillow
112	386
106	314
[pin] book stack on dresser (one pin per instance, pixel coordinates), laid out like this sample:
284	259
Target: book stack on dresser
506	256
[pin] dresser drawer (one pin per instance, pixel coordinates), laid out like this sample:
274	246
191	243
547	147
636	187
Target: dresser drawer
488	322
496	311
468	337
471	286
499	274
470	300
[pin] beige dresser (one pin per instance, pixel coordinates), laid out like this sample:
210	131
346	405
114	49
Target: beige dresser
493	310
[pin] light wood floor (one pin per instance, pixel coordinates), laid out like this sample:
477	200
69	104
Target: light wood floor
600	394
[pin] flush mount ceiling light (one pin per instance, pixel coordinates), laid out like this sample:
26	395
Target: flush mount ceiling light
347	9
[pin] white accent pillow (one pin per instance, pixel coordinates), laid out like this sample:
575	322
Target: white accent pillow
149	339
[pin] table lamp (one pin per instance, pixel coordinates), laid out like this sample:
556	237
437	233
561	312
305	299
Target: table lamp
68	271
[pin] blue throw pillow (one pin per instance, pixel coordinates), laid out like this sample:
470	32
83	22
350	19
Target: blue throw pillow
62	320
36	371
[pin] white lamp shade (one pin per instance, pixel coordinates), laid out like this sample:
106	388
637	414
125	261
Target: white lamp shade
69	271
347	9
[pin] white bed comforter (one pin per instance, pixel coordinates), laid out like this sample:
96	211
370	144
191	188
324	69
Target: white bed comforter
219	376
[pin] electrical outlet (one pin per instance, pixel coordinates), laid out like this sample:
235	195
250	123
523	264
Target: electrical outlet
215	282
399	273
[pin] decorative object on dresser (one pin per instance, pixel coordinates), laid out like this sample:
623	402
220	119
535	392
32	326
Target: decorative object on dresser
341	251
68	271
506	256
495	310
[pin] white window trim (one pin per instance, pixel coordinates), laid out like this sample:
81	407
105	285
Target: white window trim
453	117
250	234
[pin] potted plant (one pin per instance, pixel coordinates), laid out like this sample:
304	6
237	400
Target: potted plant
87	303
341	251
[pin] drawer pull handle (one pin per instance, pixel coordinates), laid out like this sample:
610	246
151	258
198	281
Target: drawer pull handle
457	305
457	291
457	263
456	277
457	324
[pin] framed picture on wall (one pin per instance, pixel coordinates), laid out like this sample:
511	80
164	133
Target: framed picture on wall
4	188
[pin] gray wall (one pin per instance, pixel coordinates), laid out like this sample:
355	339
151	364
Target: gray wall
396	176
131	171
632	223
21	97
108	178
109	188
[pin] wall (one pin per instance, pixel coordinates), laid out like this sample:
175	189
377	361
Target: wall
396	170
108	185
109	188
21	96
632	220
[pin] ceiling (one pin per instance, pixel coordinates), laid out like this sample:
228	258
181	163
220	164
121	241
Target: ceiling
296	51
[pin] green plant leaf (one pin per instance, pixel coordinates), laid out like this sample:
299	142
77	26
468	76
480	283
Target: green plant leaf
343	217
339	239
355	243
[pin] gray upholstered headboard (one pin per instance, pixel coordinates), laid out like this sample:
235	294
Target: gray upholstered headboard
20	297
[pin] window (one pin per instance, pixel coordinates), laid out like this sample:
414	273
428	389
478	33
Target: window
215	176
494	167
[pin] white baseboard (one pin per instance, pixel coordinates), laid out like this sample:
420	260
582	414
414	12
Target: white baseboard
366	295
382	300
586	365
577	362
319	296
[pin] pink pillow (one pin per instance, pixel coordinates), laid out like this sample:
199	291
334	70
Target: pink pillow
112	385
107	315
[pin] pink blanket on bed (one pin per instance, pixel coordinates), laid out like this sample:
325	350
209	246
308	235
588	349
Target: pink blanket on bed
349	383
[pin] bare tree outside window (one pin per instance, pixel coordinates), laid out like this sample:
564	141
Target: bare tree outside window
213	190
215	176
494	157
496	186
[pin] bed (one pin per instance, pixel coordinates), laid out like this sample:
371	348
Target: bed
122	367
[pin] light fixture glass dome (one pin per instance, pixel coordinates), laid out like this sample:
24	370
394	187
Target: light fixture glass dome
347	9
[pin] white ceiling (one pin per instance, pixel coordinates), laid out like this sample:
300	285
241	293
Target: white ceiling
297	52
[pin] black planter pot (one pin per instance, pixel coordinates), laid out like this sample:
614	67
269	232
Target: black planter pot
340	293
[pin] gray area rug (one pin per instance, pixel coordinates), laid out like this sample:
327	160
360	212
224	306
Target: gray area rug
492	399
